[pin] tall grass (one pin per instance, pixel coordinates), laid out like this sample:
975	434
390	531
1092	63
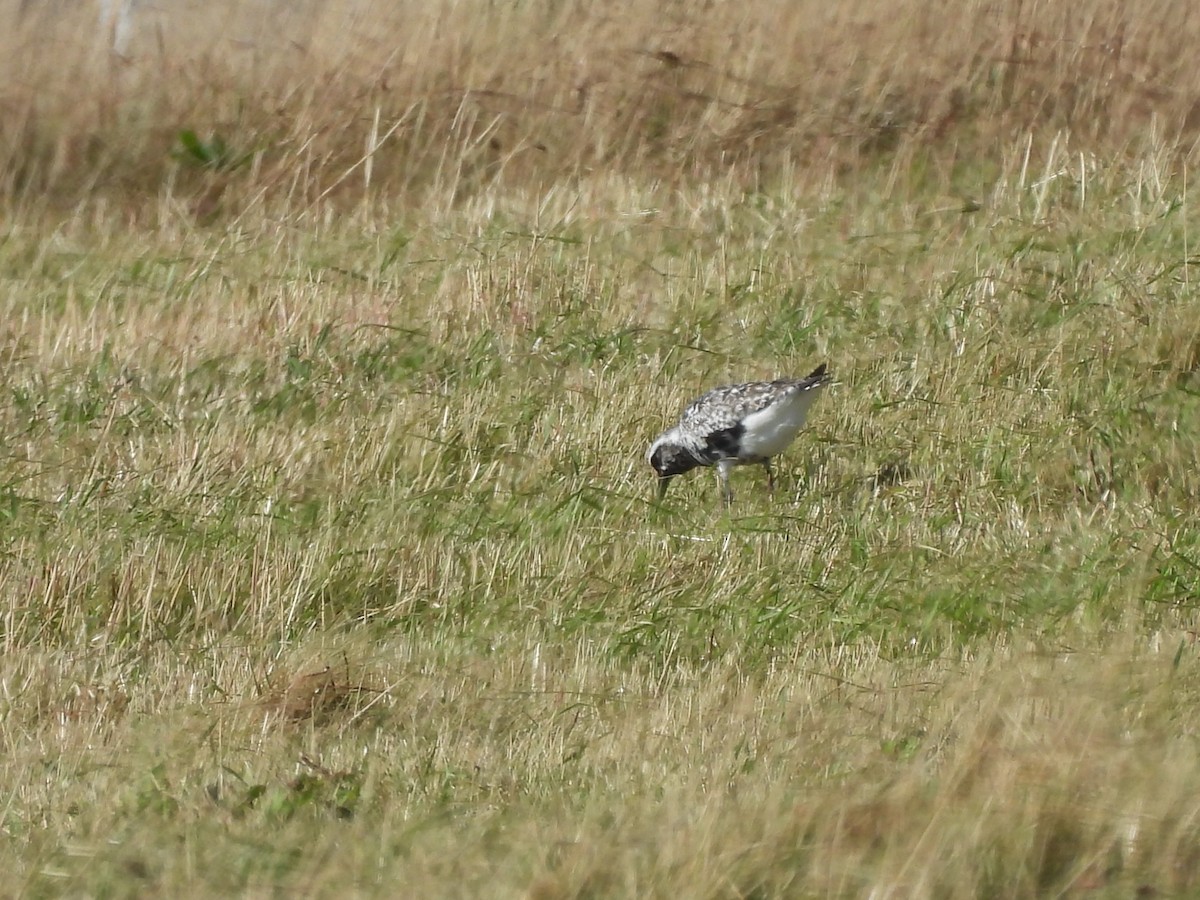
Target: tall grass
329	562
365	99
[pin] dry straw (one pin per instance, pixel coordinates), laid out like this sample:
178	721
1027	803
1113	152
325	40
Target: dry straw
365	98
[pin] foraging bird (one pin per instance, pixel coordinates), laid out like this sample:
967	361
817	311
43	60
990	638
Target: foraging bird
735	425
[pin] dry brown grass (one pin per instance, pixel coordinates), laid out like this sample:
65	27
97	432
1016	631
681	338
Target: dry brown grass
548	774
367	99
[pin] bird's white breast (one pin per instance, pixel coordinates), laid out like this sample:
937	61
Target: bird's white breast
770	430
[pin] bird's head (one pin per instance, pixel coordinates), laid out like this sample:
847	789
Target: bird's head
669	458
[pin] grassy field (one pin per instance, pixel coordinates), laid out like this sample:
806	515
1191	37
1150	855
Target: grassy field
330	562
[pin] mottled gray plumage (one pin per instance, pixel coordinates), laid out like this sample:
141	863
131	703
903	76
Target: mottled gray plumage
736	424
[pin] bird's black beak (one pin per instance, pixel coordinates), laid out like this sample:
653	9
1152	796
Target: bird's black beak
663	481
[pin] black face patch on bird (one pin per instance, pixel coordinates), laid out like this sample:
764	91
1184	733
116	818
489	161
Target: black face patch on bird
671	459
674	459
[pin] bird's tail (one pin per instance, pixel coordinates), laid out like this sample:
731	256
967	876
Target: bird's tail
817	377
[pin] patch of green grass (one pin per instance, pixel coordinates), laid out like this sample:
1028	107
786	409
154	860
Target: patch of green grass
327	567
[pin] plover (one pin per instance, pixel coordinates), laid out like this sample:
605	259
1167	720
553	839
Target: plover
736	425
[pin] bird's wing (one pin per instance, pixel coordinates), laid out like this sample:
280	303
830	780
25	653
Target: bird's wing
724	407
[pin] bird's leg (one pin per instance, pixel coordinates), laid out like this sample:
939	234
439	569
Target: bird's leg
723	469
770	477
